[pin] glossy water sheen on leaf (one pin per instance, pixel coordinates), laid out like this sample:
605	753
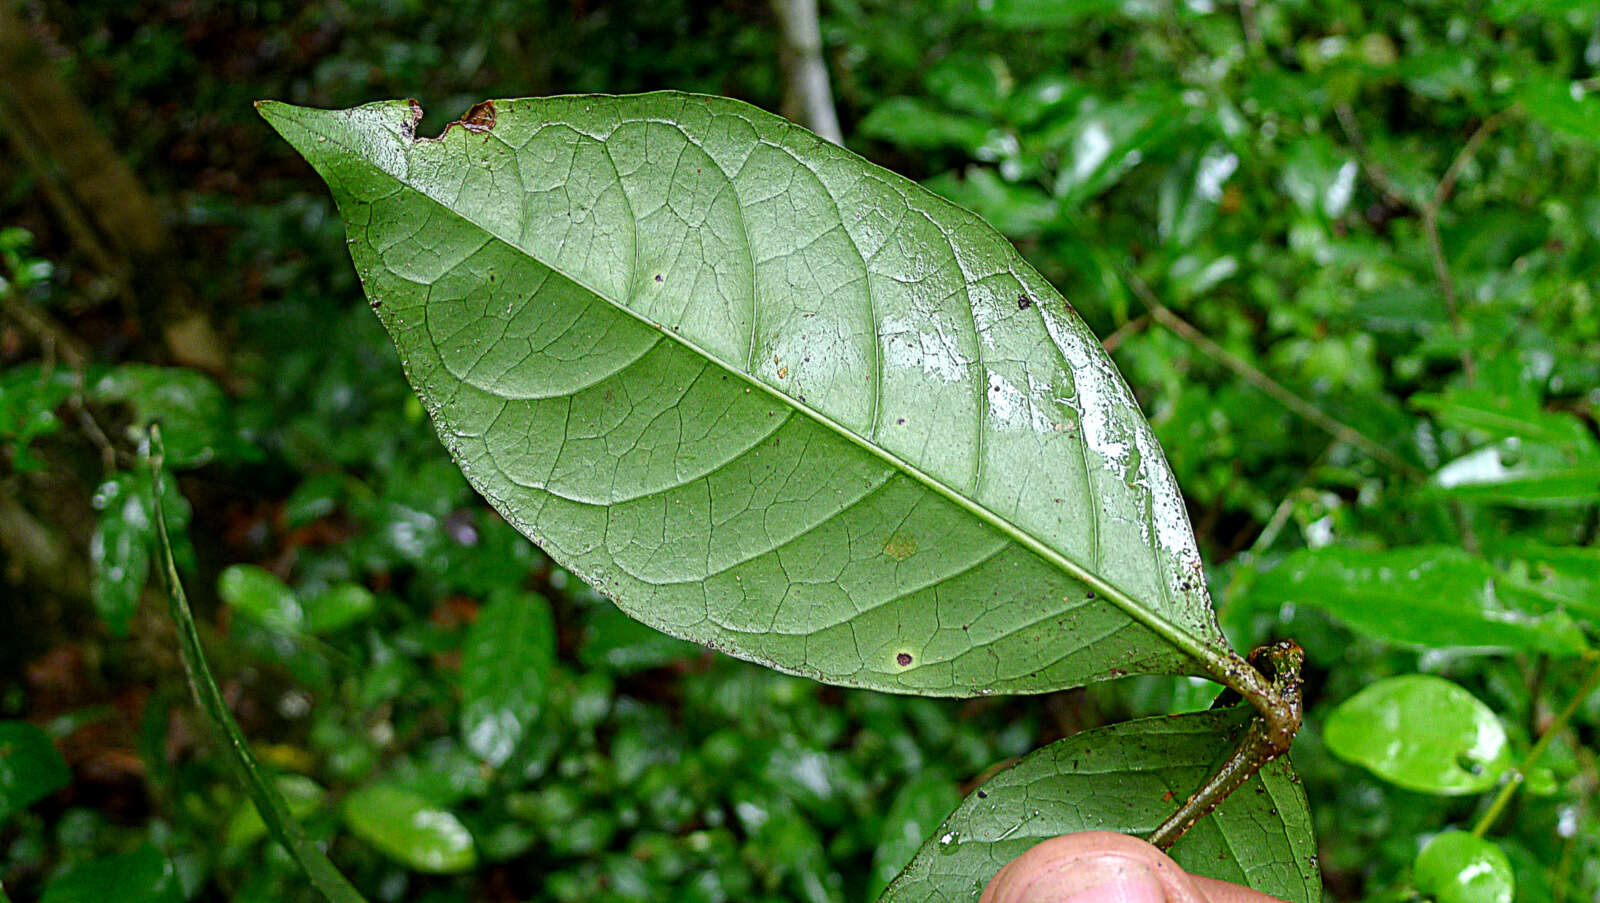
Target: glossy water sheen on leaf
506	662
1127	778
1456	867
1422	733
410	830
1433	596
260	595
768	396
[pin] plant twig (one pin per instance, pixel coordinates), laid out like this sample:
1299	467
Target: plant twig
808	97
1250	26
1137	324
1276	390
268	802
1262	742
1520	774
1429	211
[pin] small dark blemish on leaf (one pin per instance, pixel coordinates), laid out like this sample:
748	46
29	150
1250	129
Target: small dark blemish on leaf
903	659
1024	302
901	421
1089	594
983	794
658	277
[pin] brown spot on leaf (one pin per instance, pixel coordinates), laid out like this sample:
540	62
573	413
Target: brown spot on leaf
900	546
1024	302
903	659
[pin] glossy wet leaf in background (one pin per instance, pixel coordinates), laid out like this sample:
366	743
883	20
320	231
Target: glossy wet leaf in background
337	607
1457	867
189	405
125	534
1525	474
29	396
1422	733
1127	778
143	875
30	768
768	396
260	595
1430	596
506	662
409	829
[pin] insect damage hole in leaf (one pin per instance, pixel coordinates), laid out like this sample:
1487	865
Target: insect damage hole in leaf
840	356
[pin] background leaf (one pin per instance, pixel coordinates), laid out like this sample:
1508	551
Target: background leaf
1457	867
1127	777
787	386
1435	596
30	767
1423	733
408	828
142	875
506	662
918	809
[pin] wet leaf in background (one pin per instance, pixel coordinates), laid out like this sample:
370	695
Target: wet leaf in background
144	875
506	662
410	830
1457	867
1430	596
1422	733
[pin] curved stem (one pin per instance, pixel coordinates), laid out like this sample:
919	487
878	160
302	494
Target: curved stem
1519	775
1266	738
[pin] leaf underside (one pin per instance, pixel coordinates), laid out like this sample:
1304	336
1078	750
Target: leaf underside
1126	778
767	396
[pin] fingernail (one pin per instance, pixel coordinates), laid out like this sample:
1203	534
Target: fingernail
1094	879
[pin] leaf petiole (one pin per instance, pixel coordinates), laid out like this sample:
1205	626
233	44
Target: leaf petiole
1267	737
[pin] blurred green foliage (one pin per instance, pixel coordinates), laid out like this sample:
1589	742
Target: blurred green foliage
1268	170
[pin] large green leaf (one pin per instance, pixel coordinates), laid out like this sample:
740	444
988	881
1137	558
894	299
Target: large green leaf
1126	778
767	396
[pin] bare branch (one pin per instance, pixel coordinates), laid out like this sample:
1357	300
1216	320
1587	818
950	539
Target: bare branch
808	97
1252	375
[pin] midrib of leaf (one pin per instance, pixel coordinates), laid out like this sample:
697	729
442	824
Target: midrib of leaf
1216	663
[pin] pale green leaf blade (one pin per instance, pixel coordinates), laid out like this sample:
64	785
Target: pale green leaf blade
1423	733
260	595
918	808
769	397
1126	778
